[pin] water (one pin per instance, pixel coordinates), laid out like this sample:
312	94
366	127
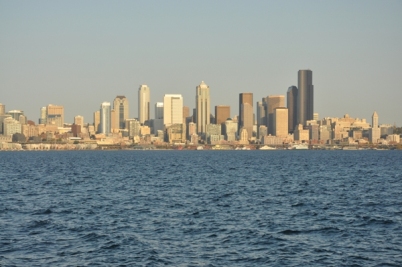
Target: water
201	208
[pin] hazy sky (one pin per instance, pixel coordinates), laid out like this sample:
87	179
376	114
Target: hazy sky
81	53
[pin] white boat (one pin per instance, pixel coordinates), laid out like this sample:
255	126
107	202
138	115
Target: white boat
200	147
300	146
267	148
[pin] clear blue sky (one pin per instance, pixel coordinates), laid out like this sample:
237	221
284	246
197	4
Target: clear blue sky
81	53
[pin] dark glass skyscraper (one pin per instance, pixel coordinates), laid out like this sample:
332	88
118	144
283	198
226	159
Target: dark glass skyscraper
305	97
291	99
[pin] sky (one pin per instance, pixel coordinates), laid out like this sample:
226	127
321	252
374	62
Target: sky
79	54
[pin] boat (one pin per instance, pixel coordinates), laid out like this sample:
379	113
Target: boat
300	146
267	148
200	147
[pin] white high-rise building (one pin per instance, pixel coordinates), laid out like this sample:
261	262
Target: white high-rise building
172	109
143	104
105	118
203	103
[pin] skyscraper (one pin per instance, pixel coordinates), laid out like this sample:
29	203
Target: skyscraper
280	122
203	108
375	130
79	120
143	104
222	113
2	109
159	110
172	109
374	120
121	112
97	121
273	102
43	115
55	115
105	118
245	118
291	100
305	97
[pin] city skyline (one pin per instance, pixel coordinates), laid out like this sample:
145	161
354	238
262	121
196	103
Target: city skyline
353	49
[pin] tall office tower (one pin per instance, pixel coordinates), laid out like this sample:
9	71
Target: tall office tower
186	113
245	118
222	113
97	121
105	118
203	107
374	120
273	102
79	120
120	107
315	116
159	110
143	104
172	109
55	115
2	109
261	108
291	100
230	130
280	119
375	130
43	115
305	97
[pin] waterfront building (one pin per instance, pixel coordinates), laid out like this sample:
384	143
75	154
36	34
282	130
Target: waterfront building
55	115
172	109
305	97
243	140
213	133
272	140
301	134
203	107
280	122
11	126
394	138
120	113
291	101
176	133
144	104
245	118
134	127
273	102
105	118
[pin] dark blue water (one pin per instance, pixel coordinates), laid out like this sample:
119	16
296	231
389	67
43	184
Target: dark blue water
201	208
